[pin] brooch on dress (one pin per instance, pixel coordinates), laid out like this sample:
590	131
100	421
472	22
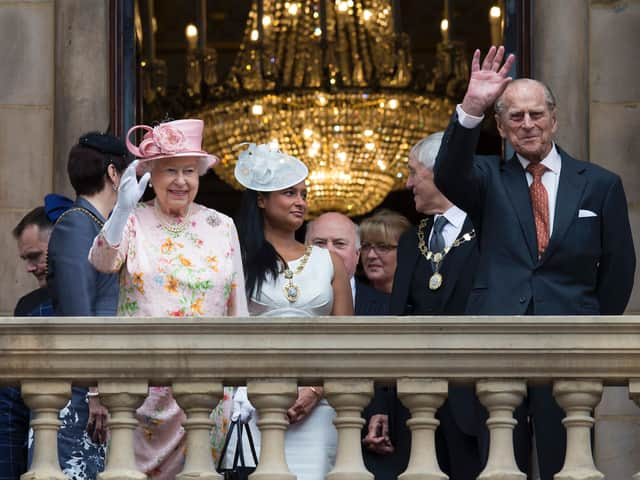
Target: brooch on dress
213	220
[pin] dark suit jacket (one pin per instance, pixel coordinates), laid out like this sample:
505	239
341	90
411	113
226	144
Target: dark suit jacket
370	301
412	296
36	303
587	268
589	265
76	287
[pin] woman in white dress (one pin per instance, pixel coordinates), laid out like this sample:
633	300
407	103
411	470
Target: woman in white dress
285	278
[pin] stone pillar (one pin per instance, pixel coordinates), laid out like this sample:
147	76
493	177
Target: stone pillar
501	397
26	130
272	399
45	399
560	57
349	397
197	399
615	110
614	143
634	394
82	78
122	398
423	397
578	398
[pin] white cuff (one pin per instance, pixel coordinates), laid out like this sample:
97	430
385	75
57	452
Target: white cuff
466	120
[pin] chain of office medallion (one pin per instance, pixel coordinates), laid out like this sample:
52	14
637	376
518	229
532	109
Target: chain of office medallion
437	257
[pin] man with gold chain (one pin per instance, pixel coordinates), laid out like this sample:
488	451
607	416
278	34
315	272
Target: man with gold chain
436	264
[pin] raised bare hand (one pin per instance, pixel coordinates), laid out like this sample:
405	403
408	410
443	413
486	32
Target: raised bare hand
488	81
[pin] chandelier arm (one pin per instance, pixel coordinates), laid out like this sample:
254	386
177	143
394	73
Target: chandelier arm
260	19
352	126
397	17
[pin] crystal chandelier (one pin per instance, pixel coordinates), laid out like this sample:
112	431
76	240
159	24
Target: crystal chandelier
331	83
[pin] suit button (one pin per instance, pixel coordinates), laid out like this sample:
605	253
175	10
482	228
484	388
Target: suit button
522	299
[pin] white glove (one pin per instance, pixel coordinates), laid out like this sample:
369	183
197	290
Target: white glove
129	193
242	408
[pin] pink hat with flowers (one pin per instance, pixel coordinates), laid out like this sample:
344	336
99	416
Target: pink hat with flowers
179	138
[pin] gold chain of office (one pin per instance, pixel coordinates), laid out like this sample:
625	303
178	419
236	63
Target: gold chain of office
291	290
435	281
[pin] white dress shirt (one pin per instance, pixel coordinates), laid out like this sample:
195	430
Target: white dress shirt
455	220
552	161
352	281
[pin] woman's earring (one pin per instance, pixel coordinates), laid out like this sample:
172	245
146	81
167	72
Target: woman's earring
150	184
115	187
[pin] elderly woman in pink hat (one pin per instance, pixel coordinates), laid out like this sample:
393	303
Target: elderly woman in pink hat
175	258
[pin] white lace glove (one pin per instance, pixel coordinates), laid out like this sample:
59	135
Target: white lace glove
242	408
129	193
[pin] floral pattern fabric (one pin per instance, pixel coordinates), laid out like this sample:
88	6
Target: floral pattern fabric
80	457
168	271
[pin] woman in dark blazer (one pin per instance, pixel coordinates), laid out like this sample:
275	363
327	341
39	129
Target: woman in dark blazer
77	289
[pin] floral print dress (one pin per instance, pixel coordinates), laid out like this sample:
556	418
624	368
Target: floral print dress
178	272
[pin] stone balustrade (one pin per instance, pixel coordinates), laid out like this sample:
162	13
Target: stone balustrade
500	355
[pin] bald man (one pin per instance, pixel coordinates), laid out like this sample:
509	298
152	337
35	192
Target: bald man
337	233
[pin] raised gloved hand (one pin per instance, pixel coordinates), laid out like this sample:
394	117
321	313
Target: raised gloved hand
242	408
129	193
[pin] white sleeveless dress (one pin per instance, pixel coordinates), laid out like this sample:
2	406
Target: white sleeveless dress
310	446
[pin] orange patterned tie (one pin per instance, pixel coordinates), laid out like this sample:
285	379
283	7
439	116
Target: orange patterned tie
540	203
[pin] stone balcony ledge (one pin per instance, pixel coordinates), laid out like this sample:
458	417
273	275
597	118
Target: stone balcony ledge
379	348
420	355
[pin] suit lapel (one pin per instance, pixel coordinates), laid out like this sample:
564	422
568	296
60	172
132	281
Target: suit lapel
411	260
453	263
515	183
571	186
407	261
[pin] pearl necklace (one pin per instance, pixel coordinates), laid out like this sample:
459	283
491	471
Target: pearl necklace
173	225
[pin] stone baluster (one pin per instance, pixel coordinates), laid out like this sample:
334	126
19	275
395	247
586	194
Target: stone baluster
349	397
423	397
272	399
197	399
122	398
634	394
45	399
578	398
501	397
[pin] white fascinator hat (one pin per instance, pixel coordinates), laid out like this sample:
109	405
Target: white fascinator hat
264	168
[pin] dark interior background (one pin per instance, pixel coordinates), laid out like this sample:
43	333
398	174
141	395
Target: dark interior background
420	19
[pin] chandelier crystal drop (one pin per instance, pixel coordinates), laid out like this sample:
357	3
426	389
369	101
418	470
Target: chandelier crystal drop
331	83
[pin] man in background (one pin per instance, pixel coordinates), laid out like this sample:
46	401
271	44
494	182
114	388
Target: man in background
32	236
436	264
338	233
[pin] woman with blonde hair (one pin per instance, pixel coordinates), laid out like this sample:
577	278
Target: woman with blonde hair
379	237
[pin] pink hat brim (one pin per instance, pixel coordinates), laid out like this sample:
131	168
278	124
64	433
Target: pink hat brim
212	160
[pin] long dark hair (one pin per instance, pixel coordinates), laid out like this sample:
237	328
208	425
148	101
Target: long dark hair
259	258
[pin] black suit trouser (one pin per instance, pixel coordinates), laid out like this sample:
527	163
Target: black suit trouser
460	456
539	414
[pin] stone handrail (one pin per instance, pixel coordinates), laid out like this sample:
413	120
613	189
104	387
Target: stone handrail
272	356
